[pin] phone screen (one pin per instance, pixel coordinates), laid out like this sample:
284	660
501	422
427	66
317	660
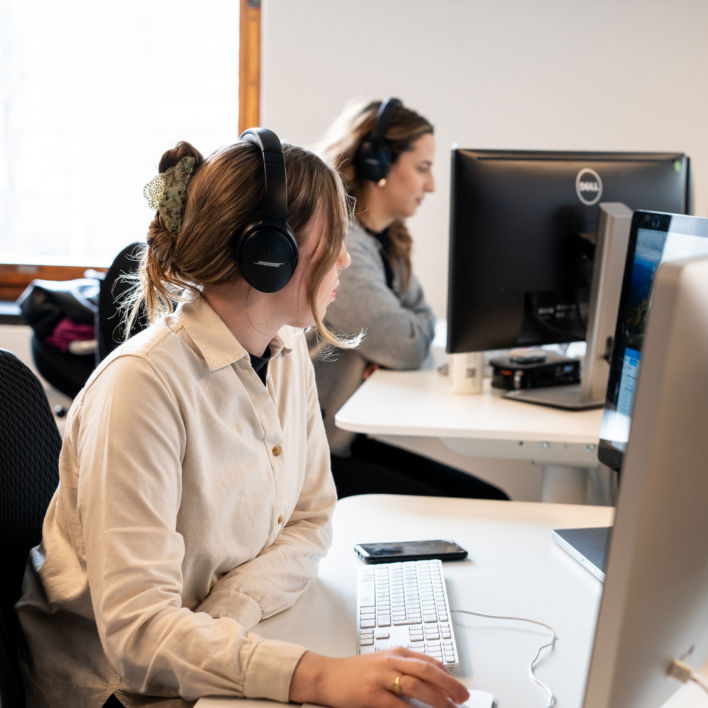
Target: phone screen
410	550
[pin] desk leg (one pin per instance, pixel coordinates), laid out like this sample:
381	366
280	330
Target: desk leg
564	484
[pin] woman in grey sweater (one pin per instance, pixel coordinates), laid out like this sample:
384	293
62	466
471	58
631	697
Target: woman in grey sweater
384	153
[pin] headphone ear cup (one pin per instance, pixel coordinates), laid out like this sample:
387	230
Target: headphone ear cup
373	160
266	256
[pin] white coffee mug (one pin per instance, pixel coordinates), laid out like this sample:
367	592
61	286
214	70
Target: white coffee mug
466	372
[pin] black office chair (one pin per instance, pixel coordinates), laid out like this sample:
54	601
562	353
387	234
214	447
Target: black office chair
109	324
29	474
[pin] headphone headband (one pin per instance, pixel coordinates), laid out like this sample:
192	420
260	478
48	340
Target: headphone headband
276	191
383	117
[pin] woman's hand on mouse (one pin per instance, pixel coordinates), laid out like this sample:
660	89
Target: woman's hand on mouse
380	679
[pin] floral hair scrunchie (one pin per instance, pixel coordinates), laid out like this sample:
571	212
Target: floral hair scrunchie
165	192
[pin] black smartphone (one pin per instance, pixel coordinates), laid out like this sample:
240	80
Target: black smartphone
409	550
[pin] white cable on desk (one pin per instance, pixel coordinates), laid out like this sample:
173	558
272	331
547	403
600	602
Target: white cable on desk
549	694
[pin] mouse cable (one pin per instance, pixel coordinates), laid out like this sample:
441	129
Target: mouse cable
532	667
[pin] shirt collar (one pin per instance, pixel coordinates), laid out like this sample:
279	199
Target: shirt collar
213	339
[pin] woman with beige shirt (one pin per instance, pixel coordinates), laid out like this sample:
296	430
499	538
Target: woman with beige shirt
195	490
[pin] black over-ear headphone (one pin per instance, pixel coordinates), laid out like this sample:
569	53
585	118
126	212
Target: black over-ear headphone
373	158
266	251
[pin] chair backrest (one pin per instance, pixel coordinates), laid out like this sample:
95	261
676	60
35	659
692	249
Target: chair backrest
109	329
29	474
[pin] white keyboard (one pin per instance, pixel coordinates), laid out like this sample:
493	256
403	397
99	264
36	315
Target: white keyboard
405	604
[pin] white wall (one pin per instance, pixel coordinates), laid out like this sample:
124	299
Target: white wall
550	74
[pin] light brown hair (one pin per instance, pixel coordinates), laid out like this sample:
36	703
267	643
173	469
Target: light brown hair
339	149
225	194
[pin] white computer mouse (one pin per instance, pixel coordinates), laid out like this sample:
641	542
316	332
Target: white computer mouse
477	699
480	699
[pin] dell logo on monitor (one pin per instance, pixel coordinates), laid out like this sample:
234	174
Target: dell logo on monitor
588	186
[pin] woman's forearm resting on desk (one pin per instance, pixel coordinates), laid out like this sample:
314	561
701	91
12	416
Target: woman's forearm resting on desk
374	680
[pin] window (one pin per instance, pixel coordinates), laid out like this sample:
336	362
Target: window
92	95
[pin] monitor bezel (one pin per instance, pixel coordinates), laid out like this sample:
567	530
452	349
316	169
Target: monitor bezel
611	452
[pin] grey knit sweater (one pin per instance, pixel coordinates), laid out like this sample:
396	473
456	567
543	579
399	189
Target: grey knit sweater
399	327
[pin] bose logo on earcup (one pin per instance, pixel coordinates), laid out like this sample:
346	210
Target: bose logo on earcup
266	252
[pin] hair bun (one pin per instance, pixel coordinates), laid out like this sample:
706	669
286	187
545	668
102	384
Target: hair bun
183	149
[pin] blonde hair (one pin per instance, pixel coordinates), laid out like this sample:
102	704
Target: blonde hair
224	195
339	149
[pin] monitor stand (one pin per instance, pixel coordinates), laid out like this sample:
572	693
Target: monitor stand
608	268
565	396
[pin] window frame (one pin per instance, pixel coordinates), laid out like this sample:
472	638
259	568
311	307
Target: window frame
14	277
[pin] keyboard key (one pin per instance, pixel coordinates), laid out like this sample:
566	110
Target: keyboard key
405	621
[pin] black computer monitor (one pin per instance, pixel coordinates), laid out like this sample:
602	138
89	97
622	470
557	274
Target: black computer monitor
653	239
521	237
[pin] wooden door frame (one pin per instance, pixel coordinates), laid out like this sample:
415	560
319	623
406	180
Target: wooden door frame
249	65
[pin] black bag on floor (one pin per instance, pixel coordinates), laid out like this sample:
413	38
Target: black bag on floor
61	314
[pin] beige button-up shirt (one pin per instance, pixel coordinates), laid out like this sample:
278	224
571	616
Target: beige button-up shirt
193	502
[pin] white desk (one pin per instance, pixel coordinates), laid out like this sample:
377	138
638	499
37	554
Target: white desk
415	410
514	568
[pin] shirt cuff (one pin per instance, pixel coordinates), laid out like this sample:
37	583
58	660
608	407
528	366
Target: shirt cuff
270	670
236	605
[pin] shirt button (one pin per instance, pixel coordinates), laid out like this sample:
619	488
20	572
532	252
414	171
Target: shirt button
280	519
277	450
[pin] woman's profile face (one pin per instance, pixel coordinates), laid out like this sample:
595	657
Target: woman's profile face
297	288
328	287
410	178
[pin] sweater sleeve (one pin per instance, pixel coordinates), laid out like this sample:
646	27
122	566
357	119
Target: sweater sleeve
128	497
398	328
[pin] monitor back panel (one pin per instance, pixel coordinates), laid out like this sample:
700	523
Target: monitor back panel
521	231
655	598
